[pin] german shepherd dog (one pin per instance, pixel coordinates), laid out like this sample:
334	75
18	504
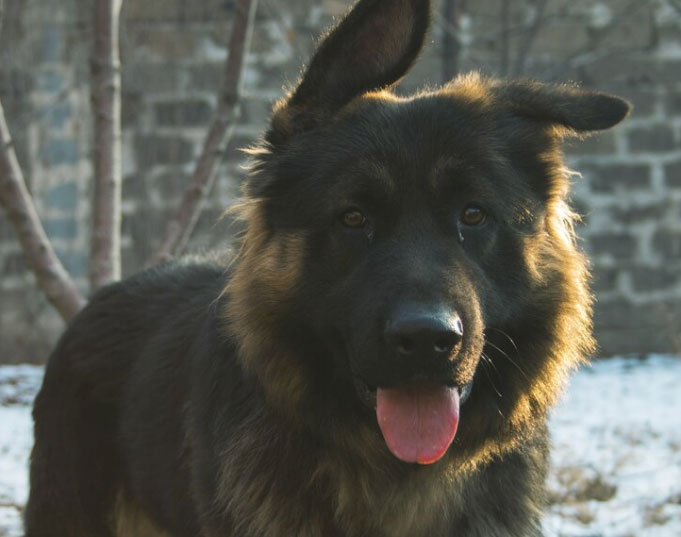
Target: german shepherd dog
378	359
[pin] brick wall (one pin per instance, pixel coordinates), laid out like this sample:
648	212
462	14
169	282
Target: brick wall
173	52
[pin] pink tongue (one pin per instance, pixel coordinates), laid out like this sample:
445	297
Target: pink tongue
418	421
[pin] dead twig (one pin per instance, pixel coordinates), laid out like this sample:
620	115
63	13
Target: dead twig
179	229
50	274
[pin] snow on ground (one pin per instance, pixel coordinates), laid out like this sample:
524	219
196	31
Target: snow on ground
18	386
616	456
617	451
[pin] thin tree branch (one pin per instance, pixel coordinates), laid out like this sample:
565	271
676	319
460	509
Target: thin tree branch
530	36
179	229
105	87
14	197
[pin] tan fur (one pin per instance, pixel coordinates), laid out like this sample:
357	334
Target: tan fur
130	520
267	272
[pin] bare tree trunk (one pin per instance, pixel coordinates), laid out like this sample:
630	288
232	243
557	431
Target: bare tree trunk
105	257
15	198
451	45
179	229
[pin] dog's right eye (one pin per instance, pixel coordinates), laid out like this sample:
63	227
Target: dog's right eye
353	219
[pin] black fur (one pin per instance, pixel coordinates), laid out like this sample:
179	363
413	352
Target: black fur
220	397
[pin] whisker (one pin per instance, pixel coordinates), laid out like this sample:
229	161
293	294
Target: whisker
505	334
486	361
505	355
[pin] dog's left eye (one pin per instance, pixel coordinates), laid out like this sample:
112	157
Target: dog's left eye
473	215
353	219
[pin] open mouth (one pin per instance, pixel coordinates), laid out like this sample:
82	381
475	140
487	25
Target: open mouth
418	419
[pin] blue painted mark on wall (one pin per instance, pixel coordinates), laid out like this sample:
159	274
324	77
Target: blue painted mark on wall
61	228
63	197
74	261
59	151
58	114
52	42
50	81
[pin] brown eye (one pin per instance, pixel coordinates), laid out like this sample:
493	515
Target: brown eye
353	219
473	215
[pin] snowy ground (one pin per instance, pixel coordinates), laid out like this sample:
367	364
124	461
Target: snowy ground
616	457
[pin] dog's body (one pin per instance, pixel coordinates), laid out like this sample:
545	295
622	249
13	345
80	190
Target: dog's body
379	358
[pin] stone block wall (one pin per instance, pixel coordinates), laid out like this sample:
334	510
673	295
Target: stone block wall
173	53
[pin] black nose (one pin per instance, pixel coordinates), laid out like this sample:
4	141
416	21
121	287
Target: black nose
424	332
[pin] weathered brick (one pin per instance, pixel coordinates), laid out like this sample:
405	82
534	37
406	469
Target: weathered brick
170	44
598	144
667	243
170	185
135	187
7	232
57	114
641	212
145	228
672	174
658	137
184	113
59	151
551	38
669	72
132	105
15	83
50	80
147	78
636	31
604	279
255	111
655	278
619	245
206	76
153	150
632	69
610	178
14	264
672	104
178	10
622	327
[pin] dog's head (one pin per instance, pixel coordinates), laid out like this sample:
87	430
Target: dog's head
415	251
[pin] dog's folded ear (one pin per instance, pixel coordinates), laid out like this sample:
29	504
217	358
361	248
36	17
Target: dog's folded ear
371	48
580	111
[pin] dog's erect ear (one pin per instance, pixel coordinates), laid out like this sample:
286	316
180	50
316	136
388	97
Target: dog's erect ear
372	47
579	110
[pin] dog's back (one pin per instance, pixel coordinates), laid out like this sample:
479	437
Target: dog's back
113	389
